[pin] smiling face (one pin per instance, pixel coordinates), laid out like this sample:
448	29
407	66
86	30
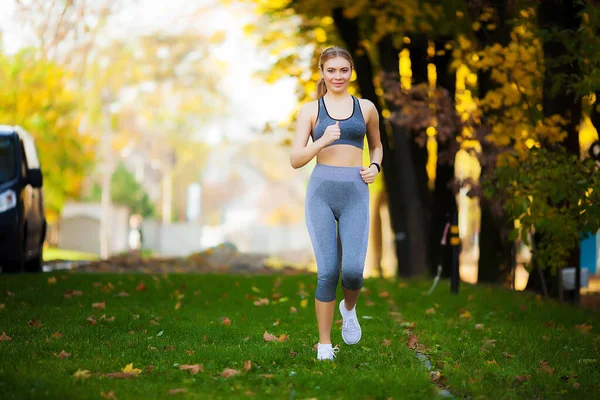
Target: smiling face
336	73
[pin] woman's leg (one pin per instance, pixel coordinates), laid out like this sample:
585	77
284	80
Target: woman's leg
322	230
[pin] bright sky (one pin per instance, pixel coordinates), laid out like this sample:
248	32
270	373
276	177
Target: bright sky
253	102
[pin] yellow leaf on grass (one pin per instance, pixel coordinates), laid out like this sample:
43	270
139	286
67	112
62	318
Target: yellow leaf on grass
194	369
52	280
304	303
129	369
465	314
82	374
228	372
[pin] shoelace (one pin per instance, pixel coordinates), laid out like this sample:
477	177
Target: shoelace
350	325
332	352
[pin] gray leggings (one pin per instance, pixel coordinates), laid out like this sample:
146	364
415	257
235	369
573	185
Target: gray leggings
337	194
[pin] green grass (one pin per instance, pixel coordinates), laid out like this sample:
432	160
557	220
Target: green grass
53	253
381	366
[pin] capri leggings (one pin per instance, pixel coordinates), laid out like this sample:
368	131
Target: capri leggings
337	196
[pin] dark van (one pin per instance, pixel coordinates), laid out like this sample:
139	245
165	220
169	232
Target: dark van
22	218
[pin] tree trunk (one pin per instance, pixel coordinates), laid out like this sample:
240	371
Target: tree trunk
495	255
419	153
444	199
561	15
413	239
349	32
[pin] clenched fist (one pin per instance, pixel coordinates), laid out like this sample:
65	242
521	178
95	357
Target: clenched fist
331	134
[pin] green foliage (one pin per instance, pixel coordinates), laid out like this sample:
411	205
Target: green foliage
126	191
37	96
552	193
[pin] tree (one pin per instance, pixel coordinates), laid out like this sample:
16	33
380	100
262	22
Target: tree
126	191
36	95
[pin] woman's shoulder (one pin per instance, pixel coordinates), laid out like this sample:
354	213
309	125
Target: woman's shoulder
365	104
309	108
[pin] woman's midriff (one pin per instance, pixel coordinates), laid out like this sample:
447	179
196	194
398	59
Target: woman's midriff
341	155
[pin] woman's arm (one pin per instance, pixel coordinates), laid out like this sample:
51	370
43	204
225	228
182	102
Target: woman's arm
301	154
373	135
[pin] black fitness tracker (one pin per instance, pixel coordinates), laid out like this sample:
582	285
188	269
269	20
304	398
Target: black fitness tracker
377	165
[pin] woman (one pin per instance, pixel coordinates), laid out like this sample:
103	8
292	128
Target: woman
337	191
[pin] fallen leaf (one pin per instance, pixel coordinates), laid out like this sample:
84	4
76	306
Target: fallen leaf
247	338
584	328
430	311
369	303
122	294
190	352
194	369
546	368
5	337
492	362
34	323
62	355
293	354
283	337
247	365
57	334
91	320
276	323
228	372
548	324
303	303
466	314
293	309
576	385
153	322
129	369
97	284
152	348
384	294
545	338
479	326
269	338
120	375
386	342
178	305
262	302
2	306
109	396
140	287
82	374
77	293
7	292
52	280
508	355
100	305
175	391
412	341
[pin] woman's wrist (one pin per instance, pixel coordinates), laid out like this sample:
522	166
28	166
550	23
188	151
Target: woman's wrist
377	166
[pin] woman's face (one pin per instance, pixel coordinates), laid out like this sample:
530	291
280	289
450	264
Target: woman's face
337	73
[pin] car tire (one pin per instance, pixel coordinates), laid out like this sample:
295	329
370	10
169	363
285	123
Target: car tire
16	266
35	264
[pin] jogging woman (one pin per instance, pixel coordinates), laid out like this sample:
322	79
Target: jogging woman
337	195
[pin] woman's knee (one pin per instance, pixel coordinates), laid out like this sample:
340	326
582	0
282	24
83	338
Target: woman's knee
352	278
327	285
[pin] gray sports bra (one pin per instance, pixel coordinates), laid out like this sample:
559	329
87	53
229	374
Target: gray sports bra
352	129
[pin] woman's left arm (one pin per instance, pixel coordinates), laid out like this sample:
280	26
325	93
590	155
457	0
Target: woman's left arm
374	140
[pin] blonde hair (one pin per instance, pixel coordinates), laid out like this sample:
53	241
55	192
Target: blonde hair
326	55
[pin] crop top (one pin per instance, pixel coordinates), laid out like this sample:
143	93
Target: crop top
352	129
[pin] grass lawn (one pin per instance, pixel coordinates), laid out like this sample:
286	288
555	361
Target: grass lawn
160	323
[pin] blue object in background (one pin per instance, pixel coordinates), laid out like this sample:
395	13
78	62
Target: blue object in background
589	253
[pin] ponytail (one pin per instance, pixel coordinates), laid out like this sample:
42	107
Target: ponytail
321	88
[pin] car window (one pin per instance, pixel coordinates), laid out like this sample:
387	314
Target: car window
7	159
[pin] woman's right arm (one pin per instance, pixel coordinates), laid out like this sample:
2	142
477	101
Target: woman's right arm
301	154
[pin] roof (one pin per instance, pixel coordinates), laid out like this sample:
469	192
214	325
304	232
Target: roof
7	129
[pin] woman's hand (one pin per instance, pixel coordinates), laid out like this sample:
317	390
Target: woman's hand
331	134
368	174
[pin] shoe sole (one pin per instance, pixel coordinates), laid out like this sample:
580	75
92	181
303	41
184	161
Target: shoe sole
345	341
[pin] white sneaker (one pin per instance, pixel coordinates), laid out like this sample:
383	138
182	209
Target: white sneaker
326	352
351	332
